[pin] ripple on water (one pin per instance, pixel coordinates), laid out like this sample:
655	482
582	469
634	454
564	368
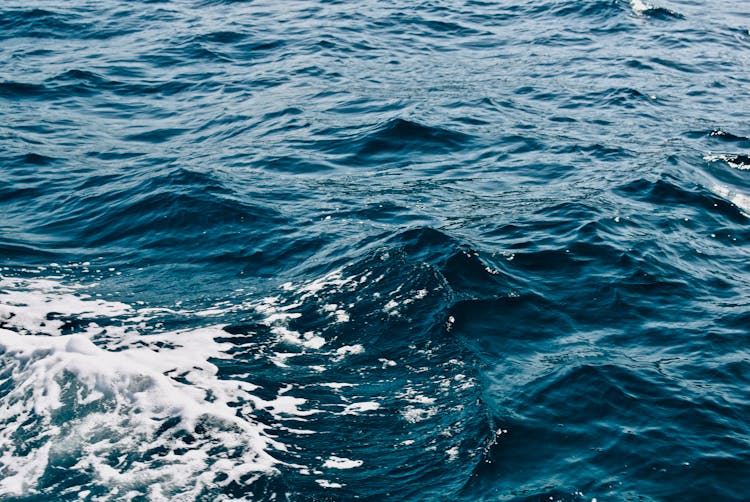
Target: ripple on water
389	251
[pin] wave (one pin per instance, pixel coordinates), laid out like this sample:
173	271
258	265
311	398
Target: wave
641	8
737	161
728	137
39	23
620	392
668	191
395	140
176	203
600	9
235	403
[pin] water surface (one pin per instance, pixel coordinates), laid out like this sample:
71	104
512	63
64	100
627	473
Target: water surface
377	250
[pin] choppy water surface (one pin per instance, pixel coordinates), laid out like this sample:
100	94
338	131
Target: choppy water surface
380	250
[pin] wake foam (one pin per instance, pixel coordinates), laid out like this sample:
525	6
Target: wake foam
98	397
142	414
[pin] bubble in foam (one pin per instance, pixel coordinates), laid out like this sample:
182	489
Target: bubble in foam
335	462
151	418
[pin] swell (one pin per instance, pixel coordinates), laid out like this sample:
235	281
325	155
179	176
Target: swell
390	310
44	24
605	329
88	84
370	346
38	23
169	210
718	141
603	10
628	437
668	191
394	140
538	347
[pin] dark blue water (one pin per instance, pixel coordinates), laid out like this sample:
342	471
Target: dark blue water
381	250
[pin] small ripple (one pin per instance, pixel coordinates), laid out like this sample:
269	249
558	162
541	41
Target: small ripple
665	191
293	164
396	139
598	9
37	23
155	135
14	90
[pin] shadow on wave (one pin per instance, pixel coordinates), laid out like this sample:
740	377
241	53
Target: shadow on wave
396	140
371	346
84	83
669	191
47	24
168	211
610	427
603	10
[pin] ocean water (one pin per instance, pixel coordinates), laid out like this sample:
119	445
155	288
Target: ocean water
321	250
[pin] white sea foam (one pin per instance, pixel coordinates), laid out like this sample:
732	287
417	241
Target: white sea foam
27	305
347	350
390	307
143	411
732	160
358	408
339	314
341	463
413	414
328	484
639	7
156	400
337	385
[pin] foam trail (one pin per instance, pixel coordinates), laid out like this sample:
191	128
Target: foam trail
150	418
